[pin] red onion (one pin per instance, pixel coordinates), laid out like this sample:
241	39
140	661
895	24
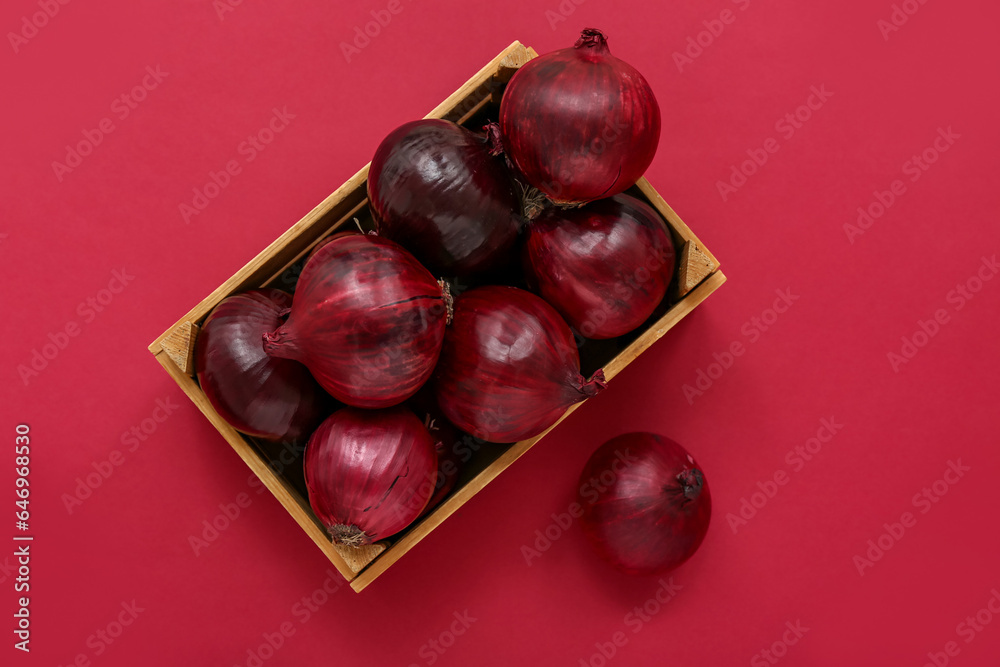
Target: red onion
646	503
605	267
509	367
436	188
369	473
328	239
447	443
272	399
579	124
367	319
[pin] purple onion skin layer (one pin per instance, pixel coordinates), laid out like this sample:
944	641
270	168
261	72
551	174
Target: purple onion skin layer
272	399
449	463
605	266
329	239
580	124
655	513
448	442
509	367
369	473
435	188
367	320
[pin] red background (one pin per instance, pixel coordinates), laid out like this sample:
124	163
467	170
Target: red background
784	229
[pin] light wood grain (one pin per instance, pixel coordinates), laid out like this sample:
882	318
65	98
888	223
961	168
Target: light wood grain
345	221
179	346
682	233
664	324
508	67
693	266
357	558
479	81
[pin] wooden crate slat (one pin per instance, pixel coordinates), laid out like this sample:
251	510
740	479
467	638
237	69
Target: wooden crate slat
279	253
655	332
480	79
682	230
285	494
336	226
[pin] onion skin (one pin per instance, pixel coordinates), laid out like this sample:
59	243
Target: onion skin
435	188
509	367
447	441
271	399
646	503
369	473
367	320
449	462
605	266
580	124
329	239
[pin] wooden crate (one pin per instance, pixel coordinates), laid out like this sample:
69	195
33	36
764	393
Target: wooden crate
697	277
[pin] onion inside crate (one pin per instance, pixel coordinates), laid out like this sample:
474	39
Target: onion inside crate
594	354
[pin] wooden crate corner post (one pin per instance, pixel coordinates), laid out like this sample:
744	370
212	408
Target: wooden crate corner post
179	346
